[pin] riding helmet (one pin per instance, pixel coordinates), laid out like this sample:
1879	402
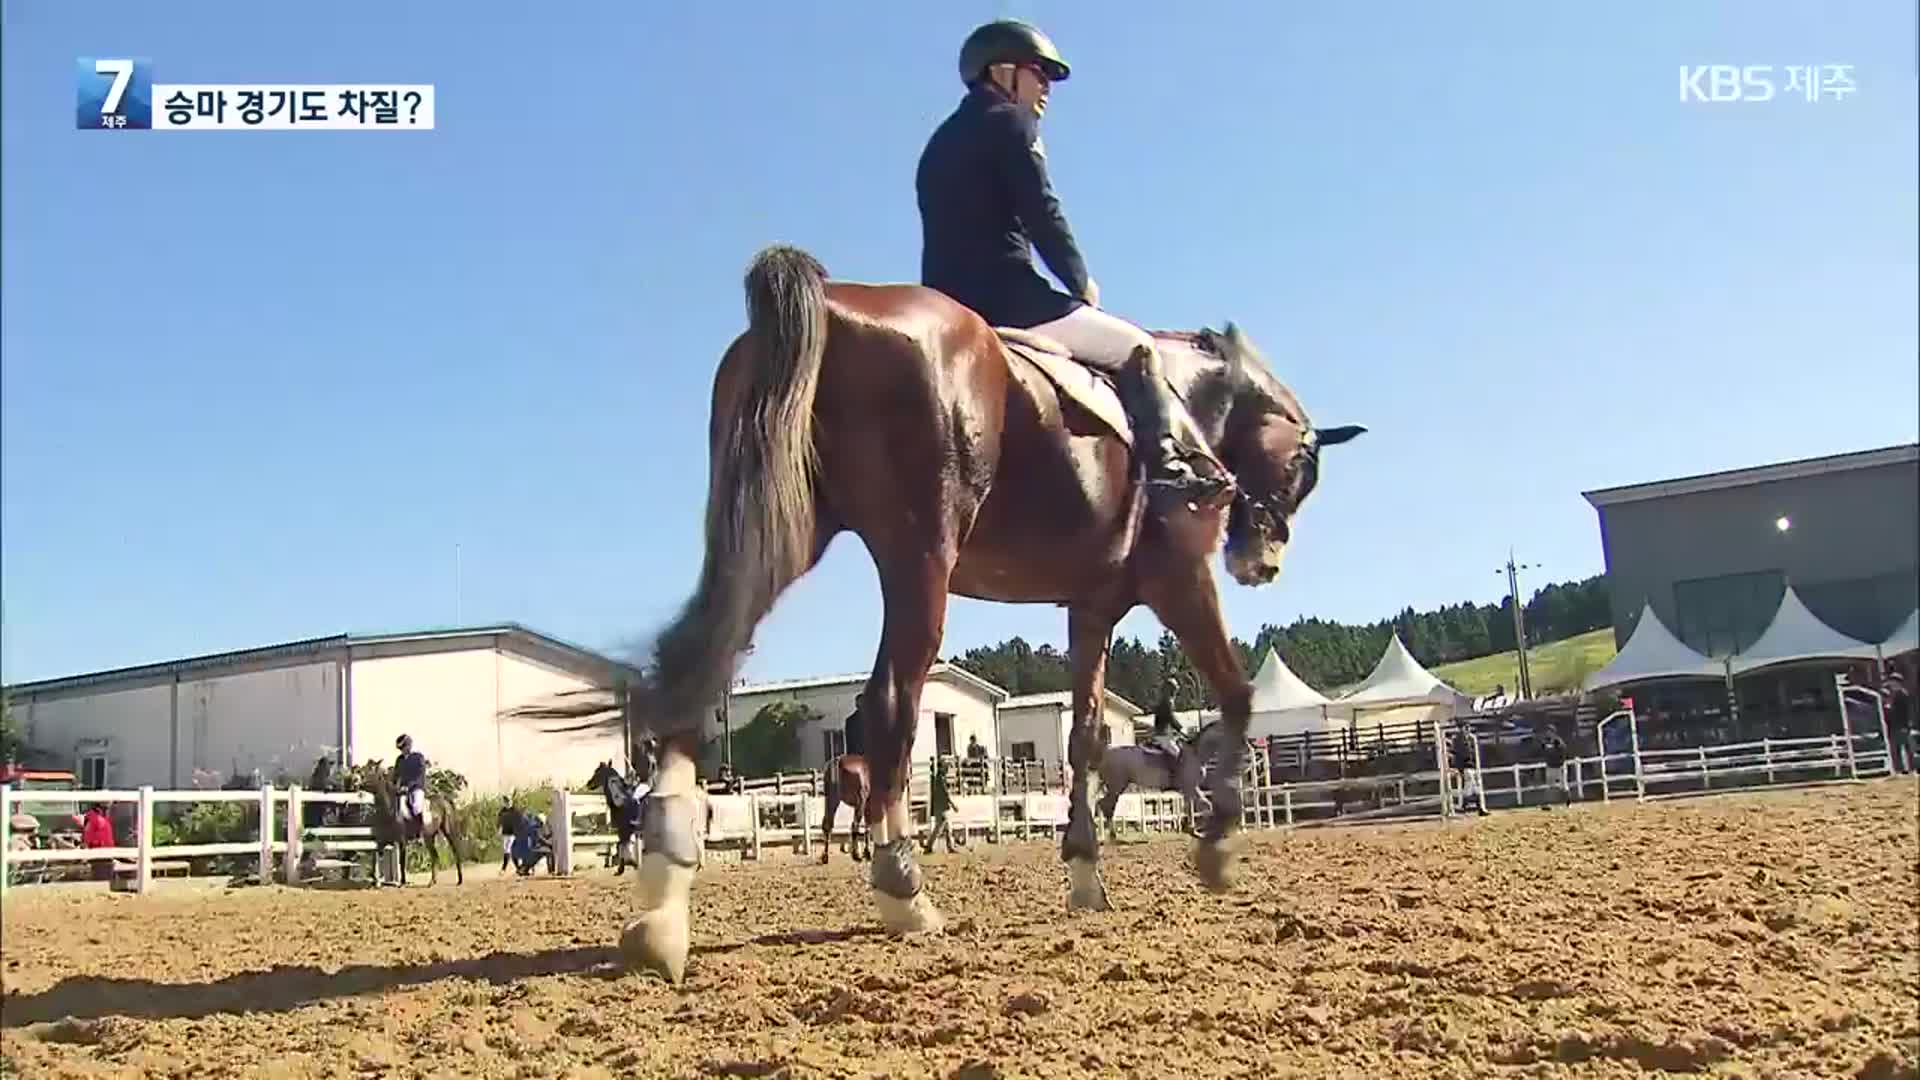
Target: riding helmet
1009	41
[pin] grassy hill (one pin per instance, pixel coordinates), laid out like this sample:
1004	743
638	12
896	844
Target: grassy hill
1556	667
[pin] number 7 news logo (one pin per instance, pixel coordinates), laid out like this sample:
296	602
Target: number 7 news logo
114	94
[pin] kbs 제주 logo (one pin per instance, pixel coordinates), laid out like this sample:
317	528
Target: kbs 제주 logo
1758	82
114	93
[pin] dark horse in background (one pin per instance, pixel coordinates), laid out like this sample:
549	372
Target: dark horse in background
623	810
390	831
967	465
848	781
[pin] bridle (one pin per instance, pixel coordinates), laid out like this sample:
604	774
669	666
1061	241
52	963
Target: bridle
1266	515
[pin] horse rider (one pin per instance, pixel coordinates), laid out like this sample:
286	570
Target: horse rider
410	776
986	200
854	730
1167	736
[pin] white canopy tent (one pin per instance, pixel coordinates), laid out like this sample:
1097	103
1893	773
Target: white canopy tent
1283	704
1797	634
1905	639
1398	681
1652	652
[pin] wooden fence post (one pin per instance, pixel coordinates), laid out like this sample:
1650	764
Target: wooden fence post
6	836
295	827
143	840
562	828
266	834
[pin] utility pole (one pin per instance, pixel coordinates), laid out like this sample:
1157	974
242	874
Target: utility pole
1512	571
726	709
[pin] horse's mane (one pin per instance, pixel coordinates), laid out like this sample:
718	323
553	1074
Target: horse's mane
1247	367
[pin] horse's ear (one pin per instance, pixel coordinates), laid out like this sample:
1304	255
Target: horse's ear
1235	341
1334	436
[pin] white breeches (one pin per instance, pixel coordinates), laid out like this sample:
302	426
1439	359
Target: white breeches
1096	338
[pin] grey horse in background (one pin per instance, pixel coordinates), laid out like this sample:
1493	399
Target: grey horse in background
1149	768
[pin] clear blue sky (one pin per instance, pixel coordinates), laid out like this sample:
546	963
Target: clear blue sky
258	386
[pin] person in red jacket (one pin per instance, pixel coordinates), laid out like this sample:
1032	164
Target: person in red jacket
96	831
96	828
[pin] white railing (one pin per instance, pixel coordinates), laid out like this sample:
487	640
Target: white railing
785	814
138	861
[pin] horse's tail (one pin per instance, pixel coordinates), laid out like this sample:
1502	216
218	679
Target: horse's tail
760	495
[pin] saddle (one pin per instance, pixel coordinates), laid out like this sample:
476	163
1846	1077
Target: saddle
1091	390
1199	530
415	824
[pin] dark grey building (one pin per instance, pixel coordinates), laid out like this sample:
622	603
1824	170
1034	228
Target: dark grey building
1713	553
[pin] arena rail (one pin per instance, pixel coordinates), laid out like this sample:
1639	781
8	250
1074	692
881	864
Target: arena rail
137	861
784	812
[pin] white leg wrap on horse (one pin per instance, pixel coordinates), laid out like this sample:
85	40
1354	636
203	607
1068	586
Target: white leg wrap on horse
675	776
1085	891
898	889
915	916
658	938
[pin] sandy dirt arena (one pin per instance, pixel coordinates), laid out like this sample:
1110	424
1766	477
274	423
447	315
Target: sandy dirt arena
1771	934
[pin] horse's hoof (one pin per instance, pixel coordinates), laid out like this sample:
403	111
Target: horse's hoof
1086	892
914	916
658	941
658	938
1218	863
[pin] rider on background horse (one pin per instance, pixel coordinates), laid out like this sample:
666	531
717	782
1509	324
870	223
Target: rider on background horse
410	777
986	200
1167	736
854	732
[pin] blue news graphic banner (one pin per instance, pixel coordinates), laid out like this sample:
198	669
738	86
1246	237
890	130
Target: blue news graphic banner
115	93
119	94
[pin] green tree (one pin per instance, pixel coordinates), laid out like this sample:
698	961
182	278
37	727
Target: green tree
770	742
13	741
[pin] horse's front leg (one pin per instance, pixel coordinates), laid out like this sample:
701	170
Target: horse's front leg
1113	784
657	938
1188	604
1088	637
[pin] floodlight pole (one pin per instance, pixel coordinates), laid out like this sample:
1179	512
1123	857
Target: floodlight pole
1519	623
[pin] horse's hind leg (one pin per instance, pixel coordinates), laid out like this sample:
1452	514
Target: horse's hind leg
658	937
459	874
1087	640
826	822
915	592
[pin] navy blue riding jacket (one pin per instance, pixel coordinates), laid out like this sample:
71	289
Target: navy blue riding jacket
985	204
856	734
410	769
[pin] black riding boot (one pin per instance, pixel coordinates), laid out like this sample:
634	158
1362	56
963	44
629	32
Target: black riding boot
1151	407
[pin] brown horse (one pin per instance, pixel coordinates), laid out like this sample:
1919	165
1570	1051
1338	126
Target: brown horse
847	782
896	414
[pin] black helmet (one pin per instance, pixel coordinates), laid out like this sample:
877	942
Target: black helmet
1009	41
404	742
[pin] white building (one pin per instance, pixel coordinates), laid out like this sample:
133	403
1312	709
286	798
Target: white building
278	709
956	707
1037	727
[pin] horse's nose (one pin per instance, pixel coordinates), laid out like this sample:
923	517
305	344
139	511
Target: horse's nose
1267	573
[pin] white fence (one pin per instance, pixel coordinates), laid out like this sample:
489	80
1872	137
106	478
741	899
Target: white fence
136	864
783	812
